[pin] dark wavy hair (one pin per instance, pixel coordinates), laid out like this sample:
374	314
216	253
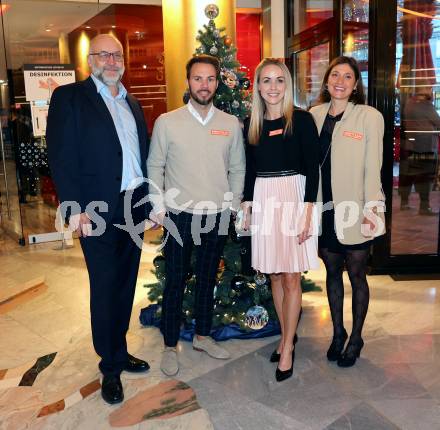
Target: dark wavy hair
205	59
358	95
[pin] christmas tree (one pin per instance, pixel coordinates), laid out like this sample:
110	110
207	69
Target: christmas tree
233	94
242	297
243	305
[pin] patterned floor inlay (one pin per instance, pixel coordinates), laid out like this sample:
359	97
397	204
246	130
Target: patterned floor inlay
27	292
42	363
25	374
71	400
165	400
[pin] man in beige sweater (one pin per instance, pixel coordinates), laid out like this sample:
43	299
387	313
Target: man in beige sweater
196	169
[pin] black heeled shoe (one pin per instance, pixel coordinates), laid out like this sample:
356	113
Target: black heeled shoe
281	375
336	347
275	357
351	354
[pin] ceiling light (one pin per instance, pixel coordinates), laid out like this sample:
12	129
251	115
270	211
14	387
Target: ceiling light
113	26
137	32
88	26
48	29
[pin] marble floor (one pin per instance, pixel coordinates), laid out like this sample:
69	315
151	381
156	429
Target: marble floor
49	377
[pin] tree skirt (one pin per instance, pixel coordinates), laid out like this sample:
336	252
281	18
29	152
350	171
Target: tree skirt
149	318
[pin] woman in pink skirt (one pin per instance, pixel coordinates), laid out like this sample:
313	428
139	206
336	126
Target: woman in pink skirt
282	176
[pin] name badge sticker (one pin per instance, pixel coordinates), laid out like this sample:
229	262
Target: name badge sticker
353	135
220	132
276	132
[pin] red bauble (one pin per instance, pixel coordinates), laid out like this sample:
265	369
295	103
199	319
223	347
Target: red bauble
228	41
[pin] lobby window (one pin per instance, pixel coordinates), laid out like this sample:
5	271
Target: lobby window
416	181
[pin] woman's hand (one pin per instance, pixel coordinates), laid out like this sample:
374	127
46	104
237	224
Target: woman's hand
368	227
305	232
246	208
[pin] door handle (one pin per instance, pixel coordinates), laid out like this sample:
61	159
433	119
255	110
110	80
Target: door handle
5	174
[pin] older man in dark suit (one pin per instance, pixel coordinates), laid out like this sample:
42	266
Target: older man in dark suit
98	145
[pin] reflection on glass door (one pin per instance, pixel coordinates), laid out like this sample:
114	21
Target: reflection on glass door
416	180
356	34
309	68
10	216
48	32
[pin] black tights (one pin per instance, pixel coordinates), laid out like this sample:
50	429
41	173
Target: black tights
356	264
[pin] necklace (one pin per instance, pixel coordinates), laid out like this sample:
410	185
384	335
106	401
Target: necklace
325	156
331	141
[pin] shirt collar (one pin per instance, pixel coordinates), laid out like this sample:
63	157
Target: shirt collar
197	116
103	89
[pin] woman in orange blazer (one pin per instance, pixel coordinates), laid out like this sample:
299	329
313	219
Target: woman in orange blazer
351	139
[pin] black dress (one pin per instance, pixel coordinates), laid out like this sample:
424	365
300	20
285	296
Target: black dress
328	238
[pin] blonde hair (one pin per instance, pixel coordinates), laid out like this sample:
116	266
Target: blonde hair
259	106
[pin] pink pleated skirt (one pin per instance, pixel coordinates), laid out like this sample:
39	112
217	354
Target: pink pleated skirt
277	219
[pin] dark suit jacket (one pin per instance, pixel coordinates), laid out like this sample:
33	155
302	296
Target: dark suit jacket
85	155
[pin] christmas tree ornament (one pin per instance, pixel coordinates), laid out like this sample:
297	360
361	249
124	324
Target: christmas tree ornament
260	278
229	78
246	84
238	283
213	50
211	11
221	264
235	104
216	33
228	41
256	317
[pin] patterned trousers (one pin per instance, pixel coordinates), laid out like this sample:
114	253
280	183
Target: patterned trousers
193	230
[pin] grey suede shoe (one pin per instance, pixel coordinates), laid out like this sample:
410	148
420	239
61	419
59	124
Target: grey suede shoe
211	347
169	364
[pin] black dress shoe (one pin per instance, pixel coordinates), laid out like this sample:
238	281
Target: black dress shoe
336	347
281	375
275	357
111	389
351	354
135	365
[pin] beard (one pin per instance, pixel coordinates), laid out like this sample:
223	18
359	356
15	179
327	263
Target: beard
202	102
99	73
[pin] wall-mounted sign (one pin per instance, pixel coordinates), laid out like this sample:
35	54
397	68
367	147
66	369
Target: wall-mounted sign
41	79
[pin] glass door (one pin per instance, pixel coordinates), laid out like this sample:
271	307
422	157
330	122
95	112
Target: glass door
10	214
416	177
46	34
309	67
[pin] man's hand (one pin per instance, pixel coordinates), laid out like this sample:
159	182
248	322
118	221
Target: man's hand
157	219
81	224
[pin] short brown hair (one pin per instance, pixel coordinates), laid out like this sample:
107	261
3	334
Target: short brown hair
205	59
358	95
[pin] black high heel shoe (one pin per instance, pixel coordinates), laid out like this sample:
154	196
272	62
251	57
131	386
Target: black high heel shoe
275	357
281	375
336	347
351	354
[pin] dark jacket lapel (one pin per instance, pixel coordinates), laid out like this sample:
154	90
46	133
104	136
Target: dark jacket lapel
98	102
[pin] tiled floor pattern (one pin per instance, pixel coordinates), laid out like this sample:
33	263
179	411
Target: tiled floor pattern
395	384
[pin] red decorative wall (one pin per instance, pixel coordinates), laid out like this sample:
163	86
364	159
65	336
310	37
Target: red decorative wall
140	29
248	35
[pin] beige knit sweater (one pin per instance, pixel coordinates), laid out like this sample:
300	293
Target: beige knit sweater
193	167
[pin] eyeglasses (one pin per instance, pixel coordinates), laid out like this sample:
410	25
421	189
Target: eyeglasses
105	56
